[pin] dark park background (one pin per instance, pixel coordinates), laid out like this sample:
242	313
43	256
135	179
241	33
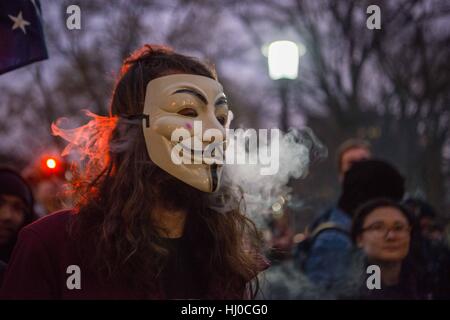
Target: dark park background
389	86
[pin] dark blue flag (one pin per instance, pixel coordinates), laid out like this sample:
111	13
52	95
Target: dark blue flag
21	36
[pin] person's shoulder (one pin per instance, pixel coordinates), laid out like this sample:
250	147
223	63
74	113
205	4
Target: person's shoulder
55	219
333	236
340	217
51	225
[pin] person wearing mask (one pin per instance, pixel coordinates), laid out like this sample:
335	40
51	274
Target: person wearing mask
145	226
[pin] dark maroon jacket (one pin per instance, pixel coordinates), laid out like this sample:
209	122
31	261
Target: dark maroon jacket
39	263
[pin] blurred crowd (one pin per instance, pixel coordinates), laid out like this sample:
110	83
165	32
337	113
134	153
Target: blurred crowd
373	223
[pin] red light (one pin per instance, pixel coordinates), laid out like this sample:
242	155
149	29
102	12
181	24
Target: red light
51	163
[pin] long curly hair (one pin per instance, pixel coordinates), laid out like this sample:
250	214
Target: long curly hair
113	225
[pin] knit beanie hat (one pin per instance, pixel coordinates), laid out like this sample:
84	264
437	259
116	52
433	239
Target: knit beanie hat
367	180
11	183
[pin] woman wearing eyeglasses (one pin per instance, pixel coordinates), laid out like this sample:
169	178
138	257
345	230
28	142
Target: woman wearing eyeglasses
382	230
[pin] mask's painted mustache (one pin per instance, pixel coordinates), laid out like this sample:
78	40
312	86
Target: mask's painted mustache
213	152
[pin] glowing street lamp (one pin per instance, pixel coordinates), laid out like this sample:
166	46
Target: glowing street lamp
283	60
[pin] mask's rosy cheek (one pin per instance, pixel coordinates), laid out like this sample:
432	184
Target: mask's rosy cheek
188	126
165	126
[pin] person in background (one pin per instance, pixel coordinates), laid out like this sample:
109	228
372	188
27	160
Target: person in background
280	243
349	152
382	230
431	249
16	209
424	214
329	252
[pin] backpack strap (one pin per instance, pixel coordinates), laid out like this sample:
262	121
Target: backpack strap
302	250
323	217
328	226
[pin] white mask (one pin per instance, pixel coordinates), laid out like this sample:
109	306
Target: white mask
174	102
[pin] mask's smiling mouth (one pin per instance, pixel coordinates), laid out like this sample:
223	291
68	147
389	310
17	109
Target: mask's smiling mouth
213	152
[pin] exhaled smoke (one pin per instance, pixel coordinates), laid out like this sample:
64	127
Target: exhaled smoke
288	156
88	144
286	281
262	179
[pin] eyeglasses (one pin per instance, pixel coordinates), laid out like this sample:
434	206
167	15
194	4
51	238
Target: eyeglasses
382	230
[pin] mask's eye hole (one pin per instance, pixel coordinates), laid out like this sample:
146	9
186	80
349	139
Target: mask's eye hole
222	120
188	112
